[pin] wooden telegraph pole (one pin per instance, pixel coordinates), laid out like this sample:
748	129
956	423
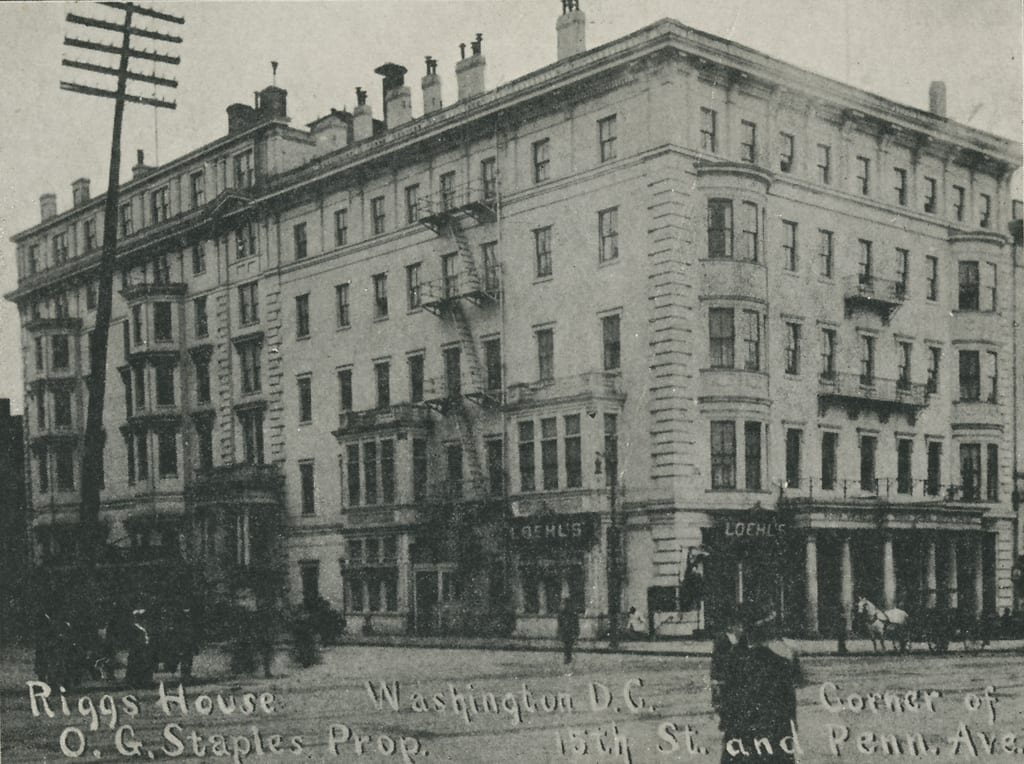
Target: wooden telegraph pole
91	538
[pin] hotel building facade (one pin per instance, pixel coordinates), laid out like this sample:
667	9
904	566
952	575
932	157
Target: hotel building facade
757	320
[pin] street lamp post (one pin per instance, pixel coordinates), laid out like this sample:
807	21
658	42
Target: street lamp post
614	542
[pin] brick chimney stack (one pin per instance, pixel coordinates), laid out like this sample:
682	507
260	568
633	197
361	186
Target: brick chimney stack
571	29
431	84
362	117
470	71
48	206
79	192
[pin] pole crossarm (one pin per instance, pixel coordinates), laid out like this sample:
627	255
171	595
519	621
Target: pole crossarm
143	11
162	58
86	90
111	26
139	76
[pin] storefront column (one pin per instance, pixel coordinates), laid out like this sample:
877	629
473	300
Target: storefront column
811	575
930	577
888	574
979	579
951	578
846	582
404	593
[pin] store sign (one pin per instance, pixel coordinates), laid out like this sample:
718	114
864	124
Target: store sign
576	531
751	527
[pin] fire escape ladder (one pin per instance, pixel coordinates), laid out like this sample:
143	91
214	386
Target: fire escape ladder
474	390
473	285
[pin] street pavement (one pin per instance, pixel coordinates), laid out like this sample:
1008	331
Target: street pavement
488	705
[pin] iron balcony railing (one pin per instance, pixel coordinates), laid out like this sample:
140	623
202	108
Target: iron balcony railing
867	387
591	384
397	415
875	288
895	489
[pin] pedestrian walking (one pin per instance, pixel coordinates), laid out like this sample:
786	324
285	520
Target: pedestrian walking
728	651
841	631
139	672
568	629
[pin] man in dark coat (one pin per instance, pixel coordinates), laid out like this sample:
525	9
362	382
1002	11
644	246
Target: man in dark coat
727	655
568	629
139	672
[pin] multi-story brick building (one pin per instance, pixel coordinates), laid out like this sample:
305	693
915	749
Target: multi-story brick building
402	357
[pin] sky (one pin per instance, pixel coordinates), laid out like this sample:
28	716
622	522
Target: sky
326	49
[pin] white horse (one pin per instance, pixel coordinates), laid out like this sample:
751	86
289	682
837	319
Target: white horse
889	624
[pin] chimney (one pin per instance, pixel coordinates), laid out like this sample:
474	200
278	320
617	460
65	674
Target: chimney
48	206
241	117
362	118
571	28
272	103
397	97
140	169
937	98
79	192
431	84
470	71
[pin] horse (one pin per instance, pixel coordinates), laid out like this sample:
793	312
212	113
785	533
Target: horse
889	624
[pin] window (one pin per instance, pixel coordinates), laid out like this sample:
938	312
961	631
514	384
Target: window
748	141
162	330
985	216
453	460
792	348
970	376
382	378
61	351
60	305
167	453
90	295
902	271
299	235
158	205
904	354
868	447
492	363
197	189
826	252
970	471
452	371
991	377
527	480
794	440
489	177
606	137
933	277
990	275
448	199
308	488
932	486
127	226
545	354
722	335
541	160
495	468
62	408
752	340
829	446
380	295
65	457
969	285
137	324
608	234
142	456
202	372
164	384
244	174
904	468
377	215
352	454
248	304
341	300
719	228
345	389
41	409
341	227
789	253
33	260
824	164
542	250
450	274
549	453
387	471
709	130
40	354
611	345
413	286
91	238
302	316
901	186
723	455
249	356
139	373
867	359
198	258
129	447
573	452
202	325
864	175
992	472
934	359
959	202
305	384
415	363
419	468
412	204
60	249
786	152
866	265
930	191
752	455
749	224
611	446
252	435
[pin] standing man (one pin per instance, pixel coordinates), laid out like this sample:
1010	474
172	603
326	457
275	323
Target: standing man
728	654
568	628
841	632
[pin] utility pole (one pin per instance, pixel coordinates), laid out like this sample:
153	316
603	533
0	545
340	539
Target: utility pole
614	544
93	442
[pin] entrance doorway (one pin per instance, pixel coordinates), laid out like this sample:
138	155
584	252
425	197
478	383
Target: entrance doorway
434	587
